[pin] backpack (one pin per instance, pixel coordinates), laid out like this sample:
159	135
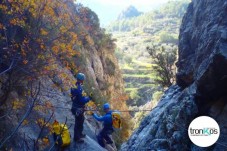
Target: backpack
116	120
61	134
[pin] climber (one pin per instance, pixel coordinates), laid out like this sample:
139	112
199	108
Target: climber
107	126
79	98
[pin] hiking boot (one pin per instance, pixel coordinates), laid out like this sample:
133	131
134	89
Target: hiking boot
80	140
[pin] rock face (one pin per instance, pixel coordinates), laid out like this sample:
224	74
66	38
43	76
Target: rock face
103	78
103	73
201	83
129	12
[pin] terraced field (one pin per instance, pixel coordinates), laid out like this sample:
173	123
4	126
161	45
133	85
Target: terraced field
139	82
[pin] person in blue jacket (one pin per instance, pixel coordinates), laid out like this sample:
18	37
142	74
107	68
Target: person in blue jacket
79	98
107	126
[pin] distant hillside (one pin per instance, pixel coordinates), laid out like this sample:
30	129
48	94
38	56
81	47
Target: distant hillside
129	12
171	11
159	27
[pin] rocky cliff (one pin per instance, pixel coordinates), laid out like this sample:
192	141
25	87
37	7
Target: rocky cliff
201	83
25	122
103	71
129	12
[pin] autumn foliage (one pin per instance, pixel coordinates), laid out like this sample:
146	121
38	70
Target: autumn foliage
40	39
46	29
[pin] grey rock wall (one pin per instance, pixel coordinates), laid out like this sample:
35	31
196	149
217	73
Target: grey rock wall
201	84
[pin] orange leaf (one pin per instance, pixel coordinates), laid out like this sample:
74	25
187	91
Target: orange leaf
13	21
43	32
1	26
25	61
25	122
45	141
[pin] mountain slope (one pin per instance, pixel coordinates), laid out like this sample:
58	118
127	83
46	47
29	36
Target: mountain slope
43	45
161	28
129	12
201	84
171	12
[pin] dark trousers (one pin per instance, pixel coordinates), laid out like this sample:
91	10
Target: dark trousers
78	128
104	135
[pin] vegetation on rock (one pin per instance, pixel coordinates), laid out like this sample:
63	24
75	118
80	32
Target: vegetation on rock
43	44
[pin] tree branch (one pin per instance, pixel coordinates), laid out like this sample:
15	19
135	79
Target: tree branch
6	113
10	67
22	120
42	128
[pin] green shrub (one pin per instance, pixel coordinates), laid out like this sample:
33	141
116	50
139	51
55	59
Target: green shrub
165	64
134	94
128	59
167	38
156	96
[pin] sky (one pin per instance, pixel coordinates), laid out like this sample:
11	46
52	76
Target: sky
108	10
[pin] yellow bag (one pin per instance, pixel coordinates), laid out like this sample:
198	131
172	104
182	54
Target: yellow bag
116	120
61	134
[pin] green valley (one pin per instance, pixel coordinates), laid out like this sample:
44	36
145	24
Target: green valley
159	28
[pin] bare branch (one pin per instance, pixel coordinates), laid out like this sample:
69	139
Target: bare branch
10	67
42	128
25	144
9	111
22	120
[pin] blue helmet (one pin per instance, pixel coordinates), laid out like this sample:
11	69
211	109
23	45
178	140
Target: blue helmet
106	106
80	76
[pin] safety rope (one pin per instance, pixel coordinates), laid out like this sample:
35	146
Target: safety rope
59	107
